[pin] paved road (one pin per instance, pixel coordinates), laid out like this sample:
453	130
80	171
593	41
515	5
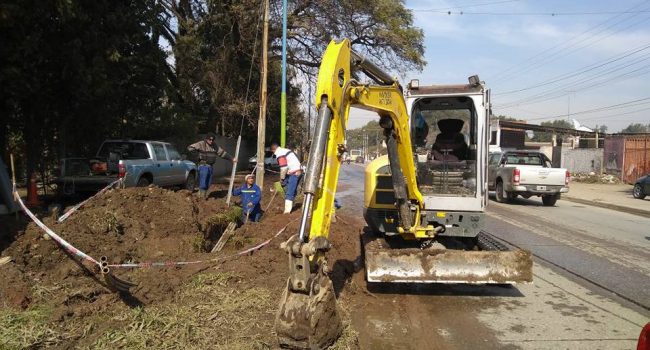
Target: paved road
590	286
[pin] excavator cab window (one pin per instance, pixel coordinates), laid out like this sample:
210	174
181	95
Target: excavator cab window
444	130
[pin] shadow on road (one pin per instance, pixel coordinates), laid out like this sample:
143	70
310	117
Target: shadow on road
438	289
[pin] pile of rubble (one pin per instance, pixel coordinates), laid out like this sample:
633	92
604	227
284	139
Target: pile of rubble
592	178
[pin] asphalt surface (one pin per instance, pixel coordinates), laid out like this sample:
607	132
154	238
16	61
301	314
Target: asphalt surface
591	285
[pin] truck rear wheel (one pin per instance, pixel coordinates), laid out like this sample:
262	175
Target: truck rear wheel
143	182
190	183
501	195
549	200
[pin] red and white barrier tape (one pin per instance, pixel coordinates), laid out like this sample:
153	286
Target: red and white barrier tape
62	242
76	207
265	170
180	263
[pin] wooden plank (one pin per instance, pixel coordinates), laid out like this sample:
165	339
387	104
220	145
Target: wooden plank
225	236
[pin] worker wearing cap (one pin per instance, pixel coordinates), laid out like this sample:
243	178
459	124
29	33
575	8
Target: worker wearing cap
251	195
208	153
290	173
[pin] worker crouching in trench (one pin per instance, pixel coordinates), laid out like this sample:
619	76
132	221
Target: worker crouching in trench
251	195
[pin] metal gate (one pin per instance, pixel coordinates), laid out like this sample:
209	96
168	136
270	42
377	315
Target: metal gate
636	160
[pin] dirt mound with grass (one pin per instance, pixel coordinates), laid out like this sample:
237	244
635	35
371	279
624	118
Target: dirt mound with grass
192	306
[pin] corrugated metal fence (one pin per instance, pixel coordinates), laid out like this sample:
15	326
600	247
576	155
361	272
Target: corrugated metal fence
636	159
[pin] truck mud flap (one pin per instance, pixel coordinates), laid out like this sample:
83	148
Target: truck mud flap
412	265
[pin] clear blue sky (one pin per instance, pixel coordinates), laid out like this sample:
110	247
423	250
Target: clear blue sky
584	61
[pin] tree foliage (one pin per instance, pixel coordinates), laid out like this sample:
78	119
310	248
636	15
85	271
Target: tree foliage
73	73
381	29
636	128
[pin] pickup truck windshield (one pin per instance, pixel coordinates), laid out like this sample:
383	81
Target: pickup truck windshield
524	159
125	150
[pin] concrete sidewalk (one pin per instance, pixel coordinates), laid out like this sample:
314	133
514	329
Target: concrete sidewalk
611	196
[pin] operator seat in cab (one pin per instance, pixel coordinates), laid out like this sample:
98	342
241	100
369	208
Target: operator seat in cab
450	144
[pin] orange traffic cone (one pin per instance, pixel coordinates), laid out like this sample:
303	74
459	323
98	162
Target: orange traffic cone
32	193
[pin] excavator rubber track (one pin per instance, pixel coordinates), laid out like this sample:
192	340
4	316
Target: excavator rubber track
491	263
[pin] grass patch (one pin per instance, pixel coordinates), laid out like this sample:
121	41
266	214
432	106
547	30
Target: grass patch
210	313
224	218
27	329
106	222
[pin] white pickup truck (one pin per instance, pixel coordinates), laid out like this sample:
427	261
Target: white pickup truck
527	174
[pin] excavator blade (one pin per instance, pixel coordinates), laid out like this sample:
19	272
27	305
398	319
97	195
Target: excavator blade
413	265
308	321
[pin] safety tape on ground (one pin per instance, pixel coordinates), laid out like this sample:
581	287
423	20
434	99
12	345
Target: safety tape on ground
181	263
62	242
76	207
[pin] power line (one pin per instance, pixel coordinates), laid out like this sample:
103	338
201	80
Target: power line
582	70
559	54
599	109
616	115
552	14
578	84
541	56
553	94
465	6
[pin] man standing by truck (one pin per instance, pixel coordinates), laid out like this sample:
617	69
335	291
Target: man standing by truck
290	173
208	153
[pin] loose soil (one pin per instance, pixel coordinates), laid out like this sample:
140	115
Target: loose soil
50	300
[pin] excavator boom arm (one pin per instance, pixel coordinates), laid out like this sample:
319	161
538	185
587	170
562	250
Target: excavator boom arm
336	92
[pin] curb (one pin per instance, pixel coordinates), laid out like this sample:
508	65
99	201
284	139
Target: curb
624	209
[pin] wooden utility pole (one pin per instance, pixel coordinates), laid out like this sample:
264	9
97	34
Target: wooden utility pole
261	124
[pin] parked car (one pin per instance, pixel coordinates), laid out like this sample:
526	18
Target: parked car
138	162
641	187
526	174
270	162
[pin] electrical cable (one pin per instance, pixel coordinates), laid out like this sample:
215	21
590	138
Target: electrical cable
599	109
539	57
582	70
559	91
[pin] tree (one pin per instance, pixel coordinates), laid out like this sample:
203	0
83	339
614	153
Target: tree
383	30
75	72
355	137
635	128
504	118
558	123
601	129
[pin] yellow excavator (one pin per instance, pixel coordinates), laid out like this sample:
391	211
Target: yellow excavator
424	201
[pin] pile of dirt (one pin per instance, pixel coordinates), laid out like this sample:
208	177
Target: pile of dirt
154	224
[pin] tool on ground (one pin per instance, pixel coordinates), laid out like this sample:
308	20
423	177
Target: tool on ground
114	283
275	193
425	213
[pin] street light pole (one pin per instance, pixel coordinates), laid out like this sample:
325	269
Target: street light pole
283	96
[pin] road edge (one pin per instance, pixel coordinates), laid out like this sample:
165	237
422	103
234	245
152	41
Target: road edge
621	208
